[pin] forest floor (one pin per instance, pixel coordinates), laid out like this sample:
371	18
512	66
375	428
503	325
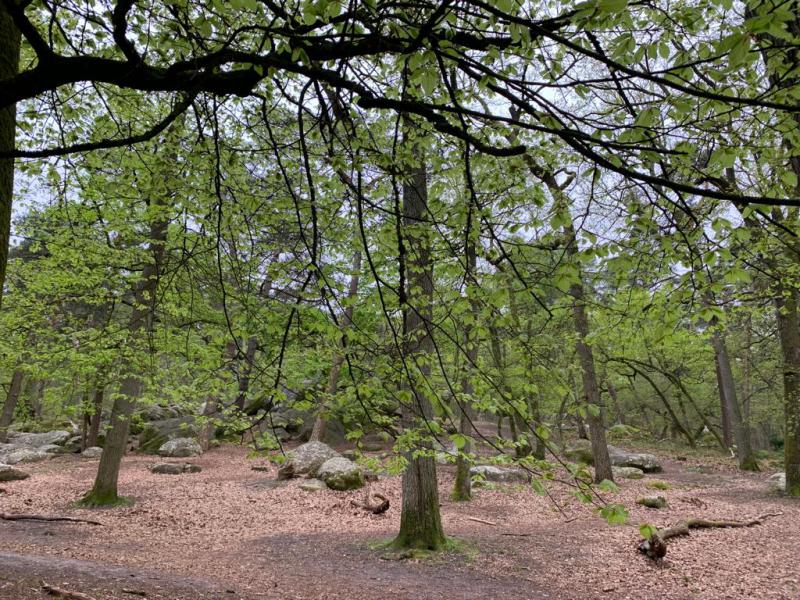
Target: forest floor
230	532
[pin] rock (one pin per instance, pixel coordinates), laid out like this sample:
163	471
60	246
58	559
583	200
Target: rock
446	454
175	468
23	455
653	502
9	473
308	458
341	474
627	473
372	442
639	460
499	474
51	449
580	451
37	440
776	482
180	447
350	454
156	433
92	452
313	485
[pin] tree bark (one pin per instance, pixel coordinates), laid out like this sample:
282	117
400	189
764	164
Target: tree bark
97	415
7	416
727	425
741	429
104	491
420	518
9	65
321	420
789	332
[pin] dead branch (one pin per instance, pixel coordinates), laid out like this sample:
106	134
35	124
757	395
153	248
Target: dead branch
21	517
376	509
481	521
656	548
62	593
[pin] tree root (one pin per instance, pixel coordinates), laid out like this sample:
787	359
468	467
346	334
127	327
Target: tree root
376	509
656	547
66	594
10	517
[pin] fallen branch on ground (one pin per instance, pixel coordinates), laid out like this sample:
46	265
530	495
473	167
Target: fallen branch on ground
656	547
10	517
62	593
481	521
376	509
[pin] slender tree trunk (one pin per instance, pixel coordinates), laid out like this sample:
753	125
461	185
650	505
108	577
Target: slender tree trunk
420	519
7	416
104	491
741	429
321	420
462	489
789	331
97	415
247	370
9	64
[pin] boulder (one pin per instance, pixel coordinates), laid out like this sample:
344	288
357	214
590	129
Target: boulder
23	455
776	482
308	458
499	474
37	440
653	502
648	463
92	452
175	468
9	473
180	447
446	454
156	433
580	451
313	485
627	473
338	473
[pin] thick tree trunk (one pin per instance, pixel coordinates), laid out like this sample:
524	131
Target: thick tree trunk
321	420
10	405
420	519
741	429
724	404
9	64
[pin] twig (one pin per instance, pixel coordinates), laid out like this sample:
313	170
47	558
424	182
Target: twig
134	592
62	593
10	517
481	521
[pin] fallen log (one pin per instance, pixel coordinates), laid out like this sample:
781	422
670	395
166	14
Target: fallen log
655	547
23	517
66	594
484	521
376	509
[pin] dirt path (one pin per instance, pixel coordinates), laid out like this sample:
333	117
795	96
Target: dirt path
229	532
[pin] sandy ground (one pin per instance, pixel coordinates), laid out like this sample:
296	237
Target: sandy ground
230	533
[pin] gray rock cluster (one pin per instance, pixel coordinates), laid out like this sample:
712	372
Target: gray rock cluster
316	460
581	451
180	447
175	468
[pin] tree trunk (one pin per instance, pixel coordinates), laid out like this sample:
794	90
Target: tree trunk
97	415
462	488
789	331
321	420
7	416
741	429
420	519
9	64
724	403
104	492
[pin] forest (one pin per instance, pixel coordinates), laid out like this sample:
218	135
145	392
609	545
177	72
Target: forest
387	298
